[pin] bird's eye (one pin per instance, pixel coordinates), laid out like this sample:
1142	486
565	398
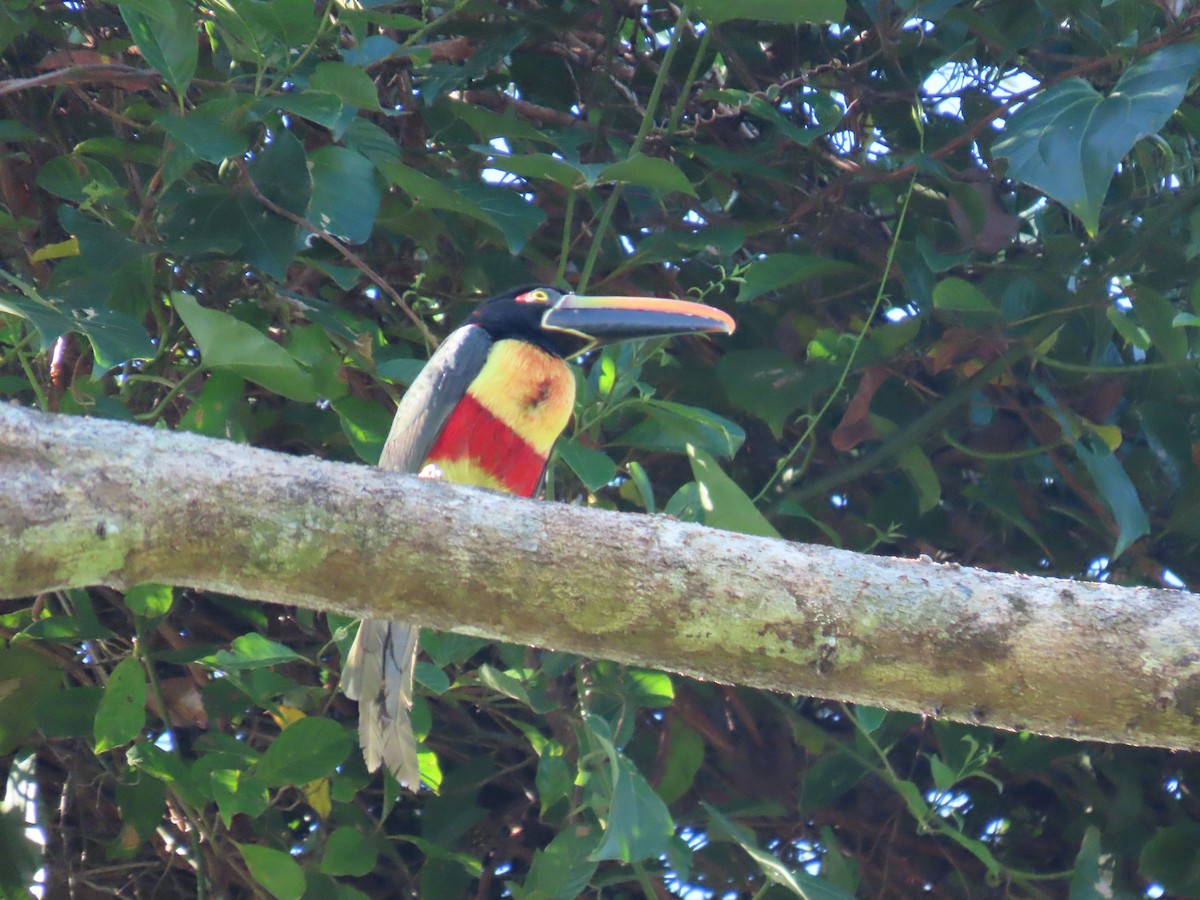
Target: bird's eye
538	296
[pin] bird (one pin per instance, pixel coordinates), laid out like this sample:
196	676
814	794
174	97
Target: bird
486	410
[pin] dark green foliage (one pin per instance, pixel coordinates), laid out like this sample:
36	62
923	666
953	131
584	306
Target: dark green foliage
971	341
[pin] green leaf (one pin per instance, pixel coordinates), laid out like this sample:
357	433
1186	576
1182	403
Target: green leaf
784	12
685	755
81	625
365	424
280	171
869	718
837	867
721	240
430	193
800	883
1157	315
114	336
375	48
170	42
306	750
638	825
448	649
673	426
920	471
402	370
431	676
829	777
210	412
1127	328
214	130
236	793
77	179
142	801
562	870
310	346
534	166
68	714
819	106
639	481
20	857
251	651
345	193
150	8
725	505
782	269
158	763
648	172
944	777
503	683
555	779
1116	490
488	124
370	140
47	321
684	504
275	870
1169	858
1115	487
200	220
150	600
516	217
319	107
349	83
1092	879
348	852
231	344
1068	140
961	296
593	466
647	687
12	131
290	22
122	712
27	680
769	385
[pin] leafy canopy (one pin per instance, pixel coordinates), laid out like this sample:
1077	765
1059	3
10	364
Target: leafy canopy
961	242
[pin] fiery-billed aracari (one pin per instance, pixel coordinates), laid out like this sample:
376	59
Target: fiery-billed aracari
486	410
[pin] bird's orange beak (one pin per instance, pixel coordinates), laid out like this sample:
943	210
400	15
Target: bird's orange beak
607	319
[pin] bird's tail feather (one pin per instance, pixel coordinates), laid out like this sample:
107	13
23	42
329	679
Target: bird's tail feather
379	674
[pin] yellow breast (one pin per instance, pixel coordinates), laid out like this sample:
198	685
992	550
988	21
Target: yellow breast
529	390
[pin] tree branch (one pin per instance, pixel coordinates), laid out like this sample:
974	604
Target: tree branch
91	502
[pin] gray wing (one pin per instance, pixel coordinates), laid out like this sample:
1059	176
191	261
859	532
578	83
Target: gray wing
379	668
431	398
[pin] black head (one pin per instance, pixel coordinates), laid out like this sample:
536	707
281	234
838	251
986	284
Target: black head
570	324
518	314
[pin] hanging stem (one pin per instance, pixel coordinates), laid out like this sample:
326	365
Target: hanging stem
43	402
783	464
693	73
564	252
643	132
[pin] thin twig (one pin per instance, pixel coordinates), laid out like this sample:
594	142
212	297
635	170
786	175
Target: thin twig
644	131
345	252
94	73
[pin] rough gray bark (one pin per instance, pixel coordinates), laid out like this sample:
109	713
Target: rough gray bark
88	502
